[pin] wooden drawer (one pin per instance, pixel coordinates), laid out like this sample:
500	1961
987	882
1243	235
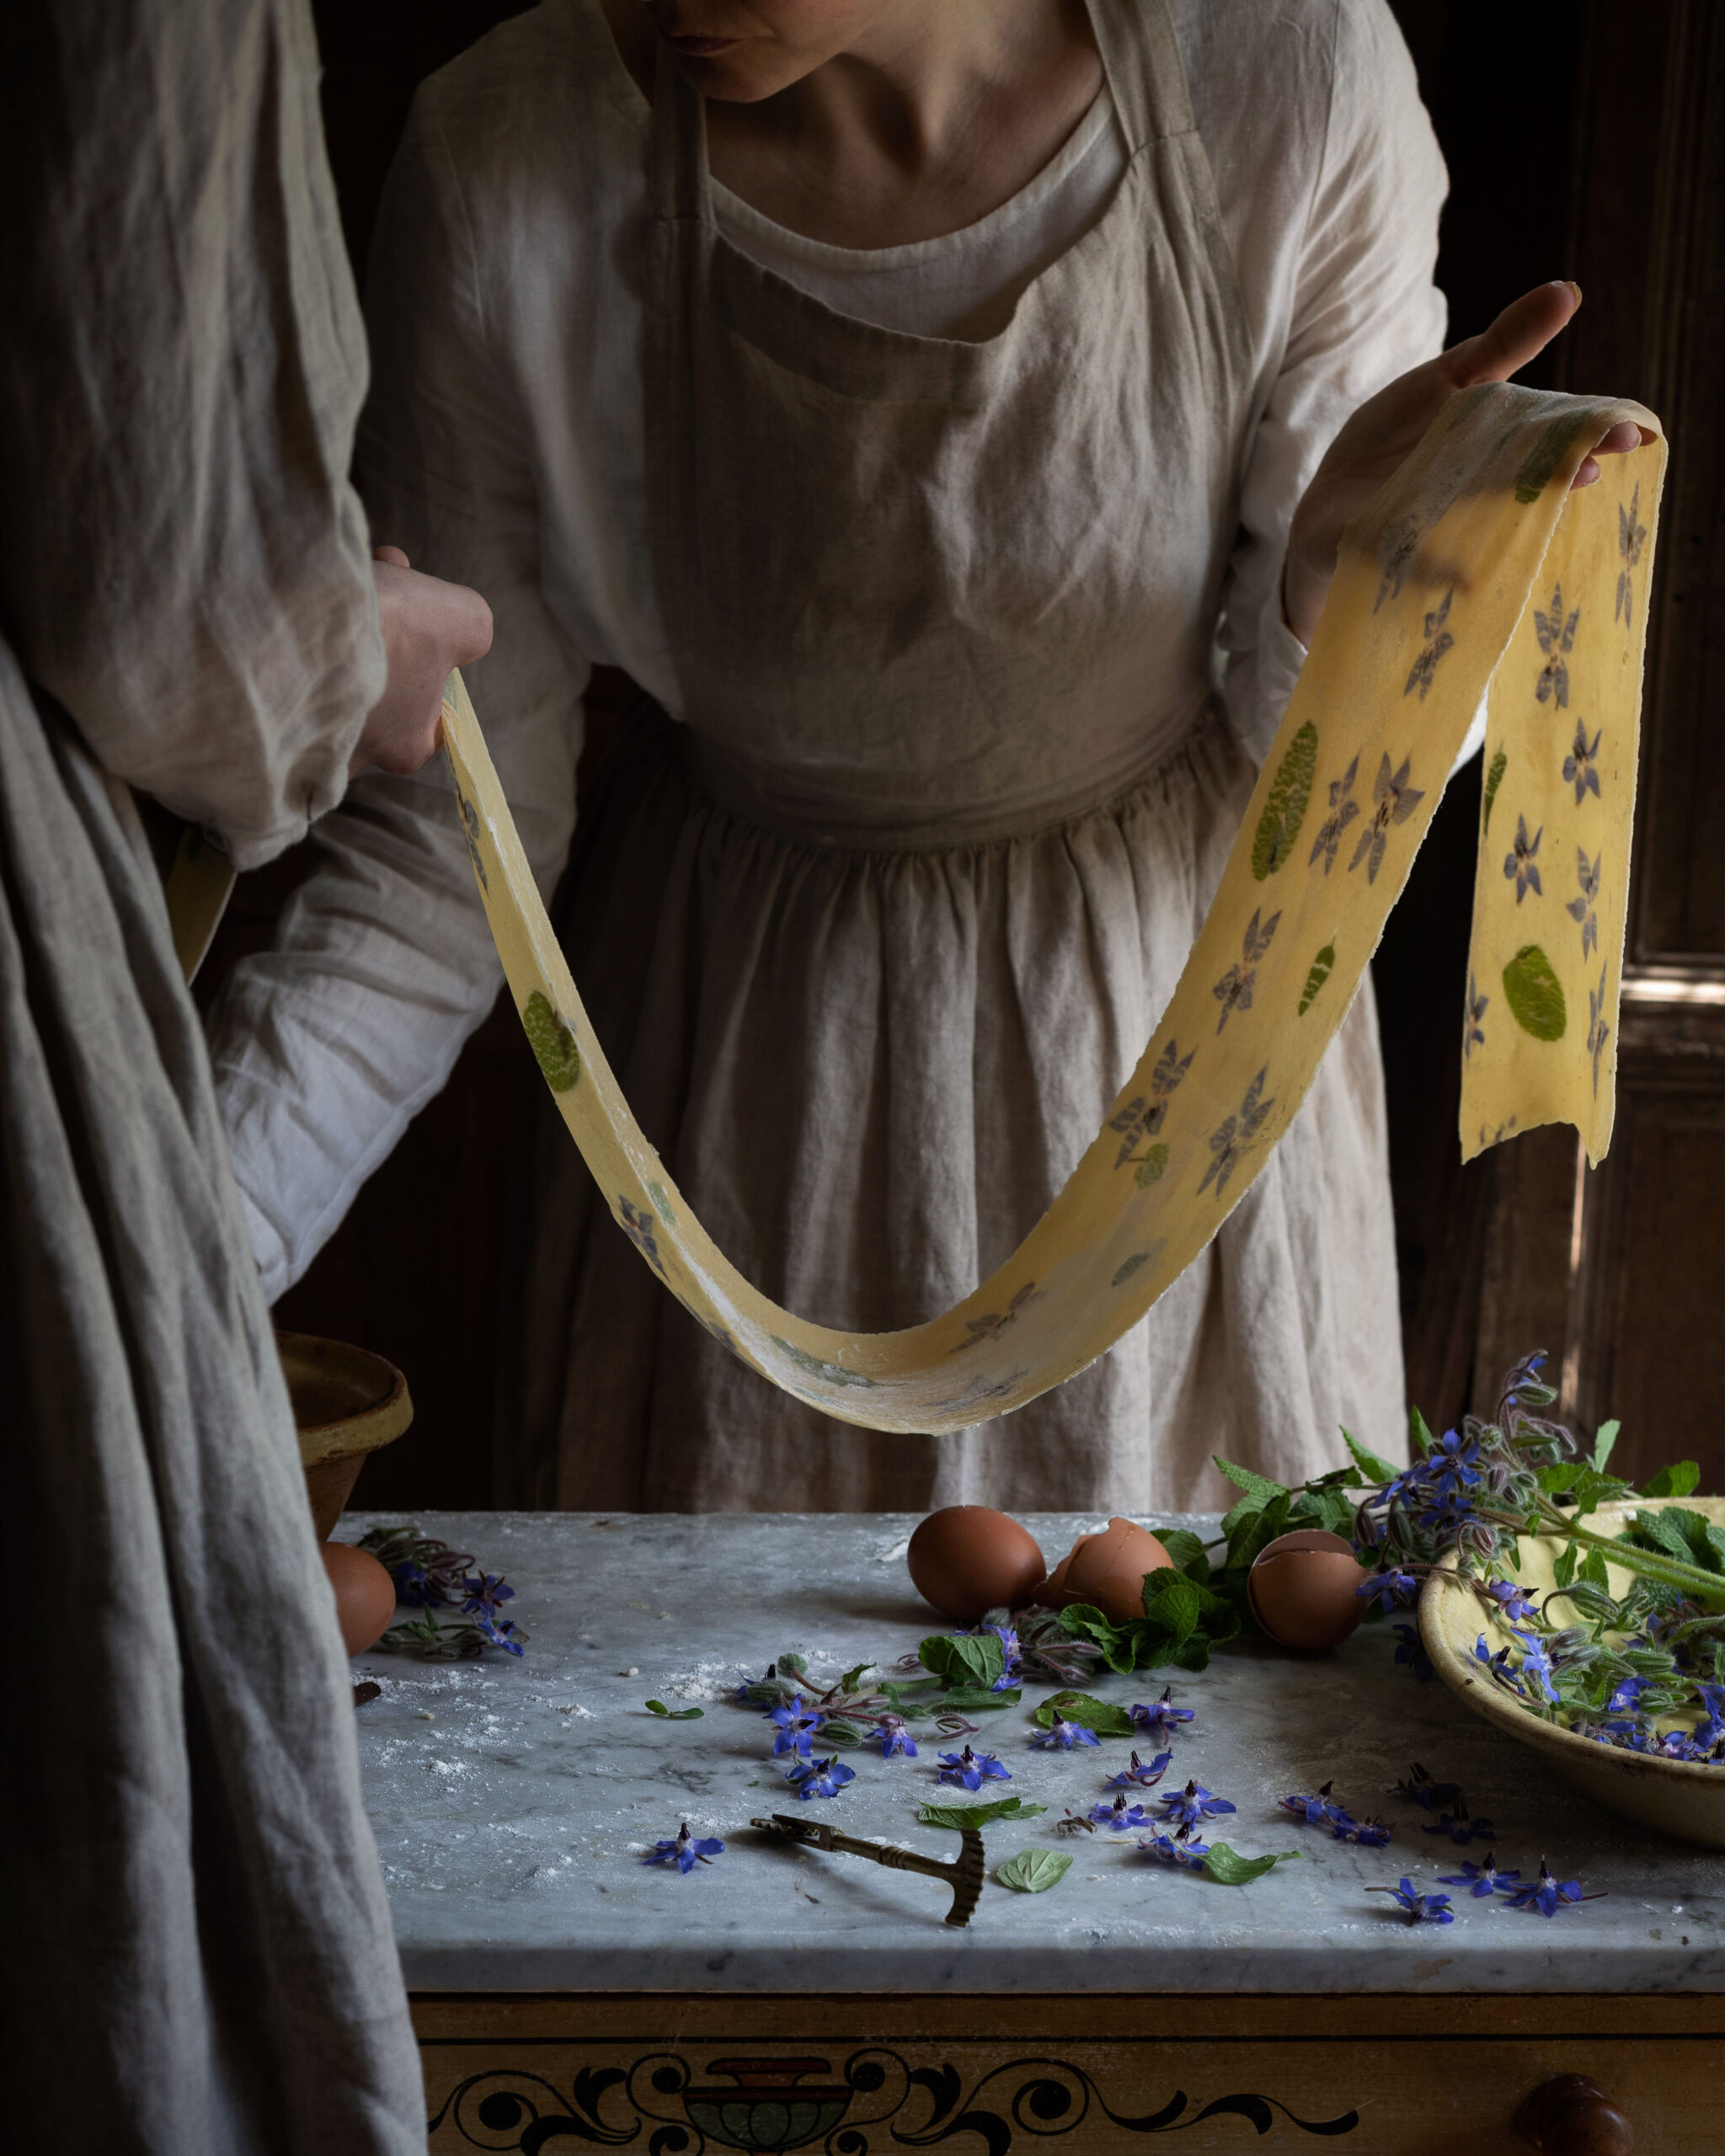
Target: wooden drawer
677	2075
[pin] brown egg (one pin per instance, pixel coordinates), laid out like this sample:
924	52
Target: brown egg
966	1559
1304	1590
364	1595
1108	1569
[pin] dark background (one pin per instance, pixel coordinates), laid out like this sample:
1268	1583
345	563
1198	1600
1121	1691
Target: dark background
1581	139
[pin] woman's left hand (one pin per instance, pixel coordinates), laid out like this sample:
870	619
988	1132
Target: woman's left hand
1387	428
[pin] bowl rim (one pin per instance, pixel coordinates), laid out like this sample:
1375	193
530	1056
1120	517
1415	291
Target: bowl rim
1457	1669
367	1428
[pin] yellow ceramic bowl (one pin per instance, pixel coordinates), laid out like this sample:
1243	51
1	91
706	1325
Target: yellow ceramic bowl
346	1402
1688	1801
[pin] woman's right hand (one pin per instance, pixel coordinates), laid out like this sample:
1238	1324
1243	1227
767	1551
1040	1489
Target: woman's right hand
429	627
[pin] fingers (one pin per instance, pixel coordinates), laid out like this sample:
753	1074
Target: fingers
1617	441
392	555
1525	327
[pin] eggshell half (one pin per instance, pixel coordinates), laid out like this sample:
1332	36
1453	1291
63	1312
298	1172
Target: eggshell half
968	1559
1304	1590
1106	1569
364	1595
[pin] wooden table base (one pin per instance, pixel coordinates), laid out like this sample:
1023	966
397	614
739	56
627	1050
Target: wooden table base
676	2074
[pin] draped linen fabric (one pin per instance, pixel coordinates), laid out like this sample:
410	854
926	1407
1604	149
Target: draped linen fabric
198	1954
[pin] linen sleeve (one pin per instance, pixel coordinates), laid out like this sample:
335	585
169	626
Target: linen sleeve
182	563
326	1045
1364	309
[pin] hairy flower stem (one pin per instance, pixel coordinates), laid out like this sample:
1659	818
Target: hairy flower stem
1706	1588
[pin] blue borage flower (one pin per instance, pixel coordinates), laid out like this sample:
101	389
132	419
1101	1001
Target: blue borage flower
969	1769
892	1736
1120	1814
797	1727
1171	1849
1392	1589
820	1777
1161	1716
1481	1879
1422	1908
1192	1805
1460	1828
1320	1810
1511	1600
1547	1894
1371	1833
1137	1775
685	1852
1420	1789
1062	1735
1411	1654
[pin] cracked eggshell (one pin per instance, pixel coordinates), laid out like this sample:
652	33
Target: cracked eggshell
1106	1569
1304	1590
364	1594
968	1559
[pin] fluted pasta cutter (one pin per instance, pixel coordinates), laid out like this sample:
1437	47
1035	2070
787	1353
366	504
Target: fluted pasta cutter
964	1874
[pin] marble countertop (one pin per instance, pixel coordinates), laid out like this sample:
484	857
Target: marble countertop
512	1801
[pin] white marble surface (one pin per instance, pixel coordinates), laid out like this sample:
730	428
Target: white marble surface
512	1801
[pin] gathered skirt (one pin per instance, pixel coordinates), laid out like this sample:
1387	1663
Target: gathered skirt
871	1070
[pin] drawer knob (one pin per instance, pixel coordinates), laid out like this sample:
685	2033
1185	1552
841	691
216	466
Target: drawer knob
1570	2116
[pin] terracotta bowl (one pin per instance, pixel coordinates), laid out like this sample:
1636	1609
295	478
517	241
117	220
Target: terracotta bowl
346	1403
1671	1795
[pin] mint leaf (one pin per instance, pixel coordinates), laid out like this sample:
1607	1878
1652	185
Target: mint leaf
1100	1716
1258	1487
675	1714
1676	1480
1188	1552
978	1815
1170	1601
1374	1469
971	1700
1033	1871
1228	1868
963	1659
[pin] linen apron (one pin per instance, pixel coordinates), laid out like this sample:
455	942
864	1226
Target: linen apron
873	938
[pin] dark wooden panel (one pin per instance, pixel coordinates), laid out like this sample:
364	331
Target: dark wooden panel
1647	1343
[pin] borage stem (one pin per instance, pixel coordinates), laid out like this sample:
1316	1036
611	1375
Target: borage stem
1652	1564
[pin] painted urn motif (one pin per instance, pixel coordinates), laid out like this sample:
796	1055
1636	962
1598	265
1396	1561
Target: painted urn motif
768	2108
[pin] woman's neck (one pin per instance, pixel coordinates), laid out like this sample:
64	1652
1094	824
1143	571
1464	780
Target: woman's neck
929	118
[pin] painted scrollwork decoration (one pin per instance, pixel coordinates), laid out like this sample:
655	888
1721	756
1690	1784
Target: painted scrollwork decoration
772	2105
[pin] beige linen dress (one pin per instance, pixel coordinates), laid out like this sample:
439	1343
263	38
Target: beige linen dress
874	932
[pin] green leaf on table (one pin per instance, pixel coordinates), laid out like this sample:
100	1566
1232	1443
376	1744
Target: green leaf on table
978	1815
1676	1480
1375	1470
675	1714
971	1659
852	1677
1101	1717
971	1699
1033	1871
895	1695
1604	1438
1228	1868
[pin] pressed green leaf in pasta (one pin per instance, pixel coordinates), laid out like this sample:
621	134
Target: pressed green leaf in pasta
1285	805
1535	993
661	1204
552	1044
1314	979
978	1815
1494	779
1033	1871
1139	1257
834	1373
1150	1168
1228	1868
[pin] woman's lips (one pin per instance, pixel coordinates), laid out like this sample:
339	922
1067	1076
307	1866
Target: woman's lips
701	48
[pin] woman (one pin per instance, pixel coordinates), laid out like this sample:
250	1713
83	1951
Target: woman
916	403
